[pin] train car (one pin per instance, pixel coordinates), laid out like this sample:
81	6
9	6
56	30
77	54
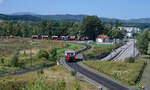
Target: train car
72	38
62	37
70	55
55	38
35	37
45	37
84	38
11	36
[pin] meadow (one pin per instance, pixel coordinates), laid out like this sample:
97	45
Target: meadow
53	78
126	73
100	50
9	47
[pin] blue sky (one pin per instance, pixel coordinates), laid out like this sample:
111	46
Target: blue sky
123	9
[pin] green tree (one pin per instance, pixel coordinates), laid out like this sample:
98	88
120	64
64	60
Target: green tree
142	41
91	27
43	53
116	34
53	54
15	59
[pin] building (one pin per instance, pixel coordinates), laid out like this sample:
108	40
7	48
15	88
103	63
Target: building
102	39
130	30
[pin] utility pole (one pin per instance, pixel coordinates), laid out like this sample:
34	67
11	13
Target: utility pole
134	48
31	53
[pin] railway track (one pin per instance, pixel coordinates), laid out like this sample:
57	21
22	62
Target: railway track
111	85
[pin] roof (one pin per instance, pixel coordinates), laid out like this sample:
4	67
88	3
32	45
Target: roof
69	51
103	36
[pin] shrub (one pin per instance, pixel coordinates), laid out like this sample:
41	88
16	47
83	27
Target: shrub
39	72
39	84
2	60
61	85
77	86
14	60
43	53
12	85
130	60
53	54
73	73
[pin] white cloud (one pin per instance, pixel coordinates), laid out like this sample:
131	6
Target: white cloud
1	1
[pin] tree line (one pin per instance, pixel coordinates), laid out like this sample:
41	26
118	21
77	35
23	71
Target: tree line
91	26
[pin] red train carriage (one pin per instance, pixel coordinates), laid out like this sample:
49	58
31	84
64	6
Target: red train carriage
70	55
72	38
45	37
11	36
55	38
62	37
35	37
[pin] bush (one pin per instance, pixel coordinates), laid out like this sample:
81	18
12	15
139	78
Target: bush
12	85
40	72
1	60
77	86
14	60
53	54
43	53
73	73
130	60
61	85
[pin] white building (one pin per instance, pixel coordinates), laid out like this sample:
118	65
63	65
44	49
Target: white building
130	30
102	39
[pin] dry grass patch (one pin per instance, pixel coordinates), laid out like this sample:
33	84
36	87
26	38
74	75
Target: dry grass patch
52	76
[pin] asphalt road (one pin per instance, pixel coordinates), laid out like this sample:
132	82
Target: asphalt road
111	85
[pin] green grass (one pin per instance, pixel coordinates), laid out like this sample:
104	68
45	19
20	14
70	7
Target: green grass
7	47
24	60
125	72
100	50
49	80
99	45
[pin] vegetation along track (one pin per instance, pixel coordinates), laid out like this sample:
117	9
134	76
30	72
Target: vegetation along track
111	85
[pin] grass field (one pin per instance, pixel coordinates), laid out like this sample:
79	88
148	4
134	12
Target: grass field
99	45
100	50
10	46
125	72
49	79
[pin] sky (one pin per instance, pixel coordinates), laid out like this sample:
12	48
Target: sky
122	9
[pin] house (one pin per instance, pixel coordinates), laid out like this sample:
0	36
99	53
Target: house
130	30
102	39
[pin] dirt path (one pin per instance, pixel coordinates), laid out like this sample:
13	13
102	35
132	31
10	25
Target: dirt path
146	76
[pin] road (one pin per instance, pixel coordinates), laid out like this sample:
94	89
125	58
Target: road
111	85
130	51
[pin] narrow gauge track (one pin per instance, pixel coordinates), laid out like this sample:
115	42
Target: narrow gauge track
111	85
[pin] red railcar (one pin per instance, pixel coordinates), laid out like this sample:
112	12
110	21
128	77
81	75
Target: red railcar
55	37
62	37
45	37
70	55
72	38
35	37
